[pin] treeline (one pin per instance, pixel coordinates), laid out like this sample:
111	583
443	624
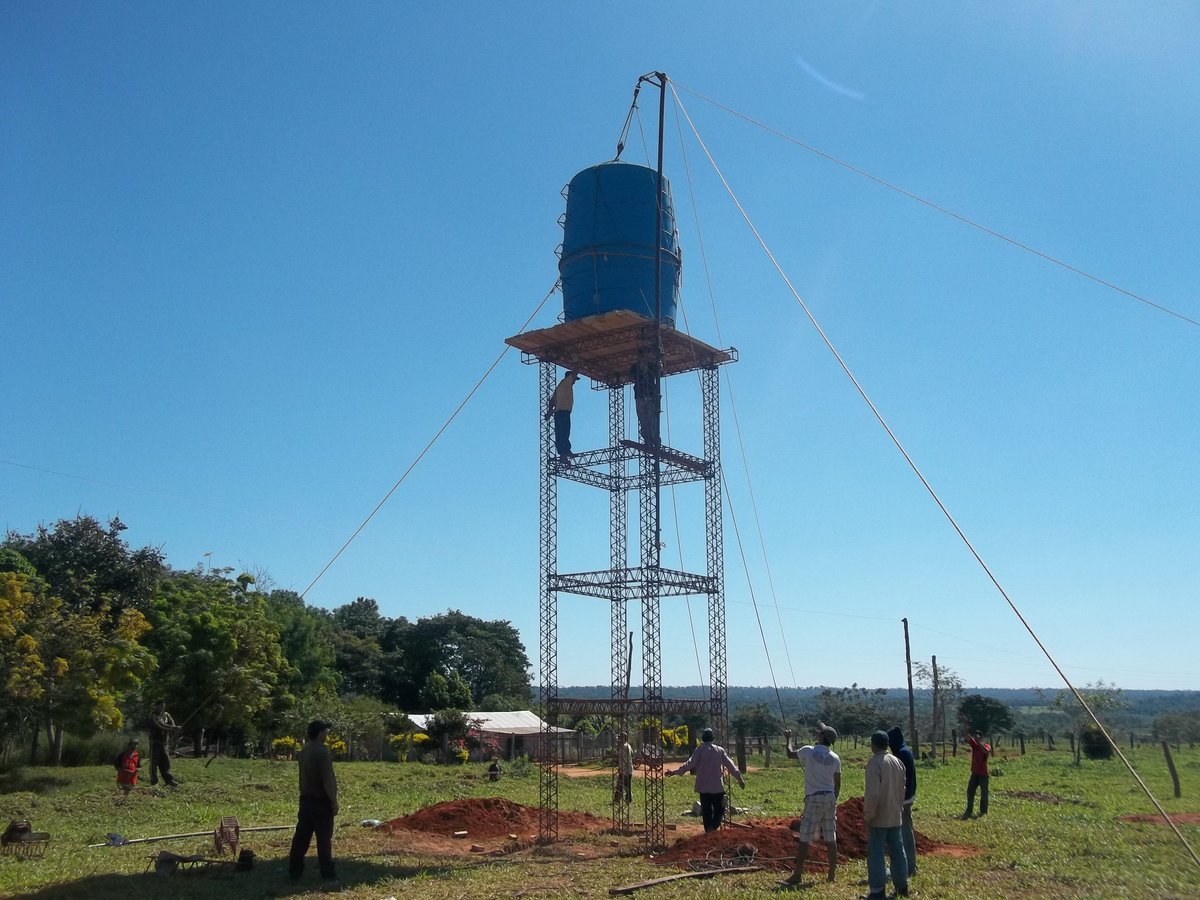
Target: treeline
857	711
92	632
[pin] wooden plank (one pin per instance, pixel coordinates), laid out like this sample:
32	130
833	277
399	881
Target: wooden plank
630	888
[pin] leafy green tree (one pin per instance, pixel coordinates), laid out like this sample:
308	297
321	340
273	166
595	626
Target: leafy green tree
488	655
90	567
220	660
306	640
854	710
62	668
442	692
987	714
1178	727
756	720
358	655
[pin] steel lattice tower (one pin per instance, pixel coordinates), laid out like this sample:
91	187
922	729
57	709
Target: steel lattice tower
603	348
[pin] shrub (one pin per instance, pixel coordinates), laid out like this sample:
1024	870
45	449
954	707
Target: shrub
98	750
336	746
1093	743
284	747
520	767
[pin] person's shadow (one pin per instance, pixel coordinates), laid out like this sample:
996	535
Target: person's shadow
268	878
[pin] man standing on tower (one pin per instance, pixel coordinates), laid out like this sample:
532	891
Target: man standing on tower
562	401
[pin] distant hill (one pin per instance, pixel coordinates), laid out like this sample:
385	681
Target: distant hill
1141	707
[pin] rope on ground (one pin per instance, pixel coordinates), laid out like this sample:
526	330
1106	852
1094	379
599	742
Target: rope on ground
929	488
433	440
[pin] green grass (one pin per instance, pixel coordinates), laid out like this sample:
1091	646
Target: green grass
1028	848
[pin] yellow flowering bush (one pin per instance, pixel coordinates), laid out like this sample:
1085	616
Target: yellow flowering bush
284	747
336	746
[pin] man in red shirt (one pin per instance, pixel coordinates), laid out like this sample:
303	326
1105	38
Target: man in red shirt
980	752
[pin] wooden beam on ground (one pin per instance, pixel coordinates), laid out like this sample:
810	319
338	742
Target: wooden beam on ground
630	888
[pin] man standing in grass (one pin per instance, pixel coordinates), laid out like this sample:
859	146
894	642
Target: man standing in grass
624	786
980	752
901	752
162	727
822	784
707	762
883	800
318	806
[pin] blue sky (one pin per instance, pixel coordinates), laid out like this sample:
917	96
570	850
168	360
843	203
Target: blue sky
252	256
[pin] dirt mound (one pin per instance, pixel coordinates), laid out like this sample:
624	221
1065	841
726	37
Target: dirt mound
486	817
773	841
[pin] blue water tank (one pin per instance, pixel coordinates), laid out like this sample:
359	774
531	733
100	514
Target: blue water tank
608	243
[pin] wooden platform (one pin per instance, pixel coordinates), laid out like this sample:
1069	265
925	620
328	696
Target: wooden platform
605	347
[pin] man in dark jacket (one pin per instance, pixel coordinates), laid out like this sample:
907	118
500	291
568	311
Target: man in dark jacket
901	752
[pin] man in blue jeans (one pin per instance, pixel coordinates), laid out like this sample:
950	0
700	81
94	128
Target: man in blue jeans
318	806
883	802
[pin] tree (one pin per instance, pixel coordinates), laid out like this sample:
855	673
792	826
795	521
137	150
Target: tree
488	655
64	668
987	714
949	692
442	692
855	710
220	661
306	639
90	567
1100	697
756	720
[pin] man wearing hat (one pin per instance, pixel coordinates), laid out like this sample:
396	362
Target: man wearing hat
822	784
318	806
883	806
707	763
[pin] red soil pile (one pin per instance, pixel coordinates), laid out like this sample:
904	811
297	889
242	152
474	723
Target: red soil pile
487	817
774	841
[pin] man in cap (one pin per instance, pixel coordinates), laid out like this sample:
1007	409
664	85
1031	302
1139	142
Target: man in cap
318	806
562	401
883	803
707	763
822	784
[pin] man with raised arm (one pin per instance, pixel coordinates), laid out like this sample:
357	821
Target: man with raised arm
707	763
822	784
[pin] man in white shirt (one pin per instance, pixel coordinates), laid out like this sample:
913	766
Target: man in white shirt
822	784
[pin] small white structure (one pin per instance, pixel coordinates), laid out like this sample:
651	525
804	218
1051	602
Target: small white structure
517	733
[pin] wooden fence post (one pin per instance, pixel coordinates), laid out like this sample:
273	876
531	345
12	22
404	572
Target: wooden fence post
1171	768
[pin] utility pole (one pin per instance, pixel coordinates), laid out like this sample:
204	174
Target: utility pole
912	715
936	709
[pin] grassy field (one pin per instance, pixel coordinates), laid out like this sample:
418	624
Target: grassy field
1053	831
